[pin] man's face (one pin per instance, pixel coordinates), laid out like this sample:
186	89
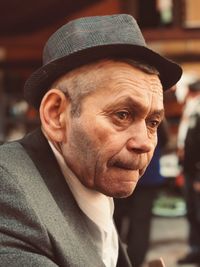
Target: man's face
111	143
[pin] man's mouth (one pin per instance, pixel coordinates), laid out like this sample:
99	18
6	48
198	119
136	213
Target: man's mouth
124	165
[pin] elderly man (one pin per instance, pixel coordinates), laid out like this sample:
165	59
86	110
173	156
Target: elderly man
100	98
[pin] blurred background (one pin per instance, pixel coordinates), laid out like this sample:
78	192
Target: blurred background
172	28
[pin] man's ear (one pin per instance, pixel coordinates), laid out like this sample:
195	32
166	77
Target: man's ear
53	112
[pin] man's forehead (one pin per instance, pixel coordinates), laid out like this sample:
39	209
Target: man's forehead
130	79
100	67
114	76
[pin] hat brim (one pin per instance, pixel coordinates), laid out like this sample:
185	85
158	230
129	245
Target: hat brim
40	81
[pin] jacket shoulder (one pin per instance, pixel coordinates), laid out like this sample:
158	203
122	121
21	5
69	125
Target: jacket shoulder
20	225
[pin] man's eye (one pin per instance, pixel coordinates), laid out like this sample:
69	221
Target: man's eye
153	123
122	115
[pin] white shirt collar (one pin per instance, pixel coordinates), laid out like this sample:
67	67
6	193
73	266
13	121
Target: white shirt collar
97	206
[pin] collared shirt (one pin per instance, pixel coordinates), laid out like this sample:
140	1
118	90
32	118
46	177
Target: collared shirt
98	208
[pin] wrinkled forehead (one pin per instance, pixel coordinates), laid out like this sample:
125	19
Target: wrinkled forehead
120	81
126	76
104	70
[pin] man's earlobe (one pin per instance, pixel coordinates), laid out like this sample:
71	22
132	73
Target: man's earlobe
53	115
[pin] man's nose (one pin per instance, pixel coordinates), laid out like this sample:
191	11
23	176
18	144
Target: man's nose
139	140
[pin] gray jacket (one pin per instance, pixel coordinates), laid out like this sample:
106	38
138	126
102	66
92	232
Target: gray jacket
40	222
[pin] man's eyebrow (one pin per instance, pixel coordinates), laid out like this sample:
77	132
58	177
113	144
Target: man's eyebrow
159	113
134	105
125	101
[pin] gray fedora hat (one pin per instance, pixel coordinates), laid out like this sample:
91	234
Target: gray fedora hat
88	39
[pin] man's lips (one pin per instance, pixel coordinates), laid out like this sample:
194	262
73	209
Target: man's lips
125	166
131	166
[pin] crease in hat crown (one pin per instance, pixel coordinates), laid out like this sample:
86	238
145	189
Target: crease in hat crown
93	31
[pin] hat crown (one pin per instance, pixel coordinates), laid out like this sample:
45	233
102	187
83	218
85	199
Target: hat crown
93	31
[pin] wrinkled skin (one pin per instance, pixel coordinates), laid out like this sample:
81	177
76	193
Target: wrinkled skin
112	142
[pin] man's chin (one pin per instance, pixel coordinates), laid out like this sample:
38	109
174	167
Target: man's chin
122	192
118	185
